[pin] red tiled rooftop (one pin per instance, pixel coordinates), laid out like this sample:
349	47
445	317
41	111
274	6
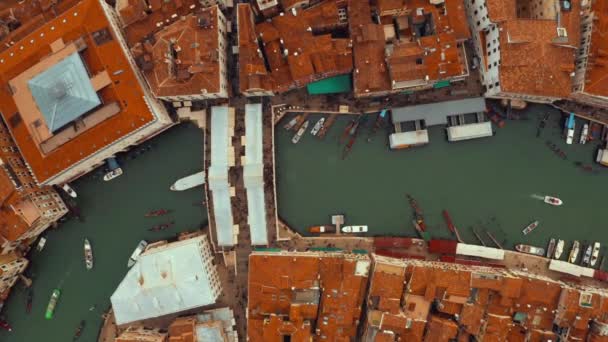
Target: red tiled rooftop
596	78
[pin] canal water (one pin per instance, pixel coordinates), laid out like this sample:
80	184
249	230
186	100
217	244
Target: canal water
485	184
114	223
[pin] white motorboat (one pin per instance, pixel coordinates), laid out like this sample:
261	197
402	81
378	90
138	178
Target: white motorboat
112	174
296	138
41	244
88	254
141	246
584	134
293	122
551	248
530	249
68	190
354	229
559	249
587	256
595	254
317	127
529	228
574	252
553	201
189	182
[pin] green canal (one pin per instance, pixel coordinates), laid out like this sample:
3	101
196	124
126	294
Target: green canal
114	223
485	184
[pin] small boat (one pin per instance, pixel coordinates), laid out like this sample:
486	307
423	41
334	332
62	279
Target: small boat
79	330
451	226
4	325
530	227
379	120
50	309
288	126
553	201
574	251
160	227
595	254
570	125
587	255
114	170
68	190
551	248
530	249
559	249
141	246
354	229
347	130
322	229
317	127
88	254
159	212
296	138
29	300
41	244
584	134
189	182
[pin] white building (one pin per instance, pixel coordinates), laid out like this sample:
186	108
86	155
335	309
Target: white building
168	279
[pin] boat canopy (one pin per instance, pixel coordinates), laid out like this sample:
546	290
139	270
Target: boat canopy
408	139
480	251
470	131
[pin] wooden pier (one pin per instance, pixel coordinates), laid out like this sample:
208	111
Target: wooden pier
494	239
478	237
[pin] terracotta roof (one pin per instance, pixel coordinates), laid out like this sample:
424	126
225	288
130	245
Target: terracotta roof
195	67
289	291
102	56
440	329
596	77
252	71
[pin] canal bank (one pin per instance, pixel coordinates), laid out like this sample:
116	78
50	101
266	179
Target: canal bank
114	223
485	184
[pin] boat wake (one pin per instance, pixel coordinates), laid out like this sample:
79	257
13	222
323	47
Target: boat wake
538	197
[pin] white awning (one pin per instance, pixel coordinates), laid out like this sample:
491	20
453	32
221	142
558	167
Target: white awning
470	131
408	139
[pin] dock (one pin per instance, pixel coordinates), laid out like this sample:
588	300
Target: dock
478	237
494	239
327	125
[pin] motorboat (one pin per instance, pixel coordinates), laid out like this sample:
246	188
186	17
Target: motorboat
158	212
296	138
595	254
529	228
551	248
189	182
68	190
354	229
114	170
291	124
322	229
530	249
88	254
553	201
584	134
570	125
317	127
41	244
574	252
587	255
559	249
50	309
141	246
78	331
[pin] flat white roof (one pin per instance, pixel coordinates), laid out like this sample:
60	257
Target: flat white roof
470	131
165	280
404	139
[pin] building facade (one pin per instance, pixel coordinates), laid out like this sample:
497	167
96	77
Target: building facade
11	266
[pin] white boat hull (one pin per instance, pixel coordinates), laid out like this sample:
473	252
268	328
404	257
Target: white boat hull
88	254
553	201
41	244
141	246
354	229
112	174
189	182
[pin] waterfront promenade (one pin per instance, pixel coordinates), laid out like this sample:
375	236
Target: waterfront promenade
114	224
485	184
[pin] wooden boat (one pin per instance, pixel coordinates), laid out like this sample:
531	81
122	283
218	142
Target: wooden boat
551	248
587	255
553	201
41	244
595	254
288	126
559	249
189	182
88	254
296	138
322	229
530	249
29	300
141	246
574	251
347	130
529	228
159	212
4	325
78	331
450	224
160	227
349	146
354	229
50	309
317	127
419	218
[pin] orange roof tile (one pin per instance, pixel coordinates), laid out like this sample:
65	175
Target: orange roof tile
440	330
596	77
